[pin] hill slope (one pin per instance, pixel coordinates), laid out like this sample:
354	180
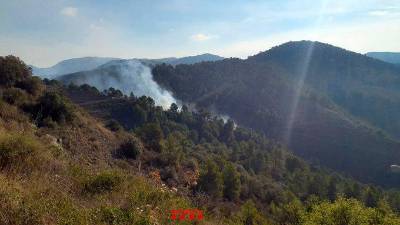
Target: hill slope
367	88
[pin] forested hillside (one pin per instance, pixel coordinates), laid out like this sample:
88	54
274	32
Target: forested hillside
313	108
75	155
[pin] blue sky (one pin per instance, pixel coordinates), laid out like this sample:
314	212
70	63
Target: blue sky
43	32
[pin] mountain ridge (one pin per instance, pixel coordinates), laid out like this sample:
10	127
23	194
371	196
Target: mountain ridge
390	57
79	64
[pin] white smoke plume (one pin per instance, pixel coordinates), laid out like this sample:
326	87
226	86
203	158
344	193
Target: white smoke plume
127	76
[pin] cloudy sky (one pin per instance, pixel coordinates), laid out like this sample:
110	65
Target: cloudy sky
43	32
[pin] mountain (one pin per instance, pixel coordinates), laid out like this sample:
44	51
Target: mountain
184	60
89	63
360	85
70	66
390	57
192	59
324	102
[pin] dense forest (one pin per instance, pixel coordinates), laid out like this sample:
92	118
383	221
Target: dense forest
323	102
77	155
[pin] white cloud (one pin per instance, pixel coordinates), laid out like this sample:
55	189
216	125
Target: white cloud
378	13
354	37
201	37
69	11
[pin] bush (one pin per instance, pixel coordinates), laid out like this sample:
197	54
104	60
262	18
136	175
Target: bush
114	215
52	105
103	182
113	125
33	85
15	96
131	149
20	152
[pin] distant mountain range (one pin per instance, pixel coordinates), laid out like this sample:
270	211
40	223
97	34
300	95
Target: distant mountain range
184	60
70	66
390	57
89	63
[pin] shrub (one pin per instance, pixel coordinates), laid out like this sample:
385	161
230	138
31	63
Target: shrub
113	125
11	113
33	85
103	182
114	215
15	96
20	152
131	149
52	105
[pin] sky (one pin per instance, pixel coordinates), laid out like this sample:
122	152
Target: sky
44	32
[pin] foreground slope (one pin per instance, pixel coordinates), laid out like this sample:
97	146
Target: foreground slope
263	92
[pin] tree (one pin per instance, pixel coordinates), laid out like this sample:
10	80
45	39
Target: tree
12	71
293	163
332	189
250	215
291	213
173	108
231	183
371	197
112	92
347	211
130	149
151	134
227	134
210	180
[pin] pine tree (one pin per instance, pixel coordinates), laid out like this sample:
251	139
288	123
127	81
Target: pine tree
231	183
210	180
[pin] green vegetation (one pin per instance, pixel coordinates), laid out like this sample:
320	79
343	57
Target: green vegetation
210	181
51	107
21	153
131	149
106	181
236	165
